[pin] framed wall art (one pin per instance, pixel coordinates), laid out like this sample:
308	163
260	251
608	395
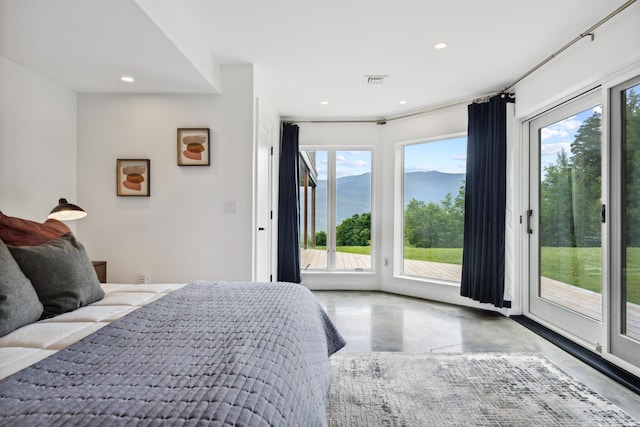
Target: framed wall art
134	177
194	147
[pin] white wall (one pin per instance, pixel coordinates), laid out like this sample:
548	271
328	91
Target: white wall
37	143
616	46
181	232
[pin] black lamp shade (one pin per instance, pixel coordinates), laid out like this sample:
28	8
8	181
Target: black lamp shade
66	211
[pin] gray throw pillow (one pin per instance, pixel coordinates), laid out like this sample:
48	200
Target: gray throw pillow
19	303
61	273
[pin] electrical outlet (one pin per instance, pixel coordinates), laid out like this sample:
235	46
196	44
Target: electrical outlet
229	206
143	278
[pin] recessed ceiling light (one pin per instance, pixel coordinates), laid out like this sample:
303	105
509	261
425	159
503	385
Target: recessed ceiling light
404	101
440	45
324	102
127	79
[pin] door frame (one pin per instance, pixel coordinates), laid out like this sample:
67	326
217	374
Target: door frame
623	349
263	143
605	85
579	328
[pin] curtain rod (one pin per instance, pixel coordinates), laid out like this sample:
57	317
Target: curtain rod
293	121
587	33
439	108
384	121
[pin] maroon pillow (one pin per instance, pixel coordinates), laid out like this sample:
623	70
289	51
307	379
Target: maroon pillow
22	232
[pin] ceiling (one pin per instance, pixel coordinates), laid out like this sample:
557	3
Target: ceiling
303	51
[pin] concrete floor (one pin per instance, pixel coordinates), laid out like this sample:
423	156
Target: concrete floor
376	321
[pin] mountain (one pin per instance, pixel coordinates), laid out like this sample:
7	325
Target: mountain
353	193
431	186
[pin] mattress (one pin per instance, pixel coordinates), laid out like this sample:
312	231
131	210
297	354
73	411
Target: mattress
41	339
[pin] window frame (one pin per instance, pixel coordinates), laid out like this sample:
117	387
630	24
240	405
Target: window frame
332	206
619	343
398	267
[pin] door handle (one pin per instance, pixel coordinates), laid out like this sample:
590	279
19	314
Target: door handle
260	228
529	215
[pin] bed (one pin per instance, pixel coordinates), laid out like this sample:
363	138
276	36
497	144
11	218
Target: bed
203	353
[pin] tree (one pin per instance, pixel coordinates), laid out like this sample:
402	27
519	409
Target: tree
571	191
354	231
321	238
435	226
586	168
556	218
416	227
631	170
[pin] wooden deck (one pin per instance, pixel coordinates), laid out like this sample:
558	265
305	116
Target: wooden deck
572	297
313	259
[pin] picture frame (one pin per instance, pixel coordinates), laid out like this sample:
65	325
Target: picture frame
194	147
133	177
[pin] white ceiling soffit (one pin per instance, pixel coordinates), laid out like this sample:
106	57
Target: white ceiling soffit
306	52
87	45
303	51
169	18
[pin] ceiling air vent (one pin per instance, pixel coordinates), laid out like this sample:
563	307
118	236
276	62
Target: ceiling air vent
375	79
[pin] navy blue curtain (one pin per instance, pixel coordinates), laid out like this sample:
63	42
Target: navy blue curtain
483	255
289	207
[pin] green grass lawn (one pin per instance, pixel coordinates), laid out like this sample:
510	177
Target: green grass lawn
582	267
446	255
360	250
633	275
576	266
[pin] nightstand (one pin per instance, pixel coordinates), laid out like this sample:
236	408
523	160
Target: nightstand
101	270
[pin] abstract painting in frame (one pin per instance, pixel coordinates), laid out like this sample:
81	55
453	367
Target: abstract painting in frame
134	177
194	148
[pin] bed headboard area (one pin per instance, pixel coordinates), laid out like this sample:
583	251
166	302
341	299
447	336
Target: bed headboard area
45	272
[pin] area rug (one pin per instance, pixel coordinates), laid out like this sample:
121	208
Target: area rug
484	389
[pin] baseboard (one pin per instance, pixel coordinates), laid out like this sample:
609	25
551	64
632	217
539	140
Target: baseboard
592	359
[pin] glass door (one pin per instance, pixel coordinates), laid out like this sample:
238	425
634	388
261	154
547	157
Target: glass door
564	220
625	260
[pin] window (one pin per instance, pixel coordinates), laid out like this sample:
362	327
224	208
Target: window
335	209
433	208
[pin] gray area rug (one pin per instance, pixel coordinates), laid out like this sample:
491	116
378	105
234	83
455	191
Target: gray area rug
484	389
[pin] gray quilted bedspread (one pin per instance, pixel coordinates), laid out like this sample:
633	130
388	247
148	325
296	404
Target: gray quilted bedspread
244	354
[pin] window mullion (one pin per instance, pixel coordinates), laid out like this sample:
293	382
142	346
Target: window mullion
331	211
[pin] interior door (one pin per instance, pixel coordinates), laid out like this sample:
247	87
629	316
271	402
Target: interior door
564	220
263	205
625	254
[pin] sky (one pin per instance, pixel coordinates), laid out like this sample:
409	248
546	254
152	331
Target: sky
348	163
446	155
559	136
352	163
